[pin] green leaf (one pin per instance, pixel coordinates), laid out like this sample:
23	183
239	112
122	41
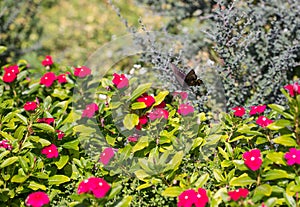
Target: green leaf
160	97
172	191
60	93
279	124
242	180
223	153
58	179
138	105
140	90
8	161
23	163
143	186
19	133
218	175
290	201
3	154
18	179
202	180
2	49
175	162
130	121
84	129
125	202
285	140
63	160
141	144
115	189
276	157
261	191
277	174
71	145
276	107
7	136
35	186
45	127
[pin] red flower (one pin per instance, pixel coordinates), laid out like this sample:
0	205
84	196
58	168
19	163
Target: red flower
48	79
120	80
46	120
263	121
185	109
158	113
62	78
9	77
90	110
292	88
106	155
98	186
257	109
30	106
12	69
60	134
183	94
252	159
50	151
187	198
82	71
161	105
202	198
37	199
47	61
293	156
237	194
4	144
239	111
142	121
148	100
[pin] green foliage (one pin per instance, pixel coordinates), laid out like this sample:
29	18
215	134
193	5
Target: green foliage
19	28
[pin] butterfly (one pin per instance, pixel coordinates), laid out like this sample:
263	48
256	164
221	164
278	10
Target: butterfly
184	80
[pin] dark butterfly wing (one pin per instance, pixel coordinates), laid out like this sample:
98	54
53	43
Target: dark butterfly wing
186	80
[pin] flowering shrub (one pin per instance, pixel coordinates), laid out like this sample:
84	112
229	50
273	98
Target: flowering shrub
140	146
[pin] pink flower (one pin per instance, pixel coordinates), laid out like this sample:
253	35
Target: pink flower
187	198
30	106
9	77
62	78
12	69
46	120
48	79
50	151
142	121
82	72
4	144
239	111
120	80
185	109
182	94
202	198
293	156
90	110
190	197
252	159
132	138
106	155
263	121
148	100
237	194
292	88
98	186
158	113
257	109
60	134
47	61
37	199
